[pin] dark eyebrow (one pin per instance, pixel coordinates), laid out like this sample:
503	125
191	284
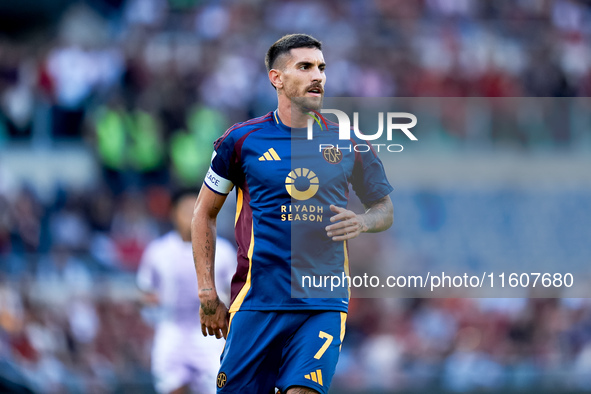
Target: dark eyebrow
298	64
305	63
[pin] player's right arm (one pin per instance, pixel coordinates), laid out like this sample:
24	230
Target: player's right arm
213	313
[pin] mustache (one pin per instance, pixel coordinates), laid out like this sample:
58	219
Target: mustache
315	86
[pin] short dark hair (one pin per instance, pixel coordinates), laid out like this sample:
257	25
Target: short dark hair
286	44
180	193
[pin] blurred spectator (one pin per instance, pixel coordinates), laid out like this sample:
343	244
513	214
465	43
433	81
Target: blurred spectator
5	226
26	217
191	151
132	230
69	226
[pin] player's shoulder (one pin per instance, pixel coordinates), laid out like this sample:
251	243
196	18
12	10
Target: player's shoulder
238	130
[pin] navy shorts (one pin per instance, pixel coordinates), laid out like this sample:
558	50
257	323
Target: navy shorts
265	350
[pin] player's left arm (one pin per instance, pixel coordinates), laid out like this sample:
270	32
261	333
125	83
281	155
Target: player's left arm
378	216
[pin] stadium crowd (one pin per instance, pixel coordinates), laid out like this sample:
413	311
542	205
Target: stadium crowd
149	84
162	58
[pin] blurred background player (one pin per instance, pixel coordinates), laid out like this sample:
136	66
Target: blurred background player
182	359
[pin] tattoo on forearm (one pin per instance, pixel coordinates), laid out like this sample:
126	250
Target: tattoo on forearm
207	249
203	232
379	216
210	306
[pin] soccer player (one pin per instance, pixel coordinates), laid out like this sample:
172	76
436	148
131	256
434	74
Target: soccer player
182	358
291	215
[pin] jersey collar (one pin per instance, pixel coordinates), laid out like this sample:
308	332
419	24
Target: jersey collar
279	123
283	126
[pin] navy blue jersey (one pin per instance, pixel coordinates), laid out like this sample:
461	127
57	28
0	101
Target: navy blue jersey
285	186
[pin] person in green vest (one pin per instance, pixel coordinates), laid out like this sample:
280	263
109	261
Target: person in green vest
190	151
128	143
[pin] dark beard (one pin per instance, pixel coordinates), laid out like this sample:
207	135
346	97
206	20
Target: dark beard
307	104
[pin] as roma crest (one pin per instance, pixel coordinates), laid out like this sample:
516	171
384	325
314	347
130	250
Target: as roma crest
332	155
222	379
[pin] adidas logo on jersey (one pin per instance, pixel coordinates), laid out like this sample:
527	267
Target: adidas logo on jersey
315	377
270	155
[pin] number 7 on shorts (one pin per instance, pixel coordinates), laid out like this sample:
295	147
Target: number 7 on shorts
327	343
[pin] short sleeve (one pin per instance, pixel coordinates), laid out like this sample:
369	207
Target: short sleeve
220	177
148	278
369	179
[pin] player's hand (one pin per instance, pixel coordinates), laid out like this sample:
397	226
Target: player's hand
347	224
214	318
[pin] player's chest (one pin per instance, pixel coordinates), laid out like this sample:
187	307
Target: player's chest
277	162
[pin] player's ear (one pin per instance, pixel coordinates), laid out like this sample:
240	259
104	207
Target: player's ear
275	76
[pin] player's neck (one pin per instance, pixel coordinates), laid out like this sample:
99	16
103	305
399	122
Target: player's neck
290	115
